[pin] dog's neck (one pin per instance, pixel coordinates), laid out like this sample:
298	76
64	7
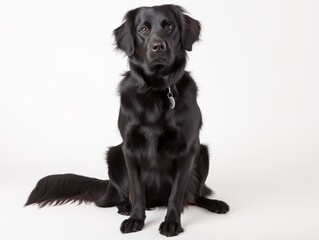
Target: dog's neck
158	80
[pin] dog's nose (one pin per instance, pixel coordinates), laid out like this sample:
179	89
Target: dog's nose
158	45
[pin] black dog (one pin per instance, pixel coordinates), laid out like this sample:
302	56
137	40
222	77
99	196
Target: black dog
161	161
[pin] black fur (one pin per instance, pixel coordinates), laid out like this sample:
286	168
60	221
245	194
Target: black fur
161	161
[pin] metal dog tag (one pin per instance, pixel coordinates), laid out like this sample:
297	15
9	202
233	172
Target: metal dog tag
171	99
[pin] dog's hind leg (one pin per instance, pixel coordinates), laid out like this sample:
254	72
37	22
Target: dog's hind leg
109	199
202	168
211	205
112	198
119	179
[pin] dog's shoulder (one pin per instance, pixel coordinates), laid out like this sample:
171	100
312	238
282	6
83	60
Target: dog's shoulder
127	84
187	87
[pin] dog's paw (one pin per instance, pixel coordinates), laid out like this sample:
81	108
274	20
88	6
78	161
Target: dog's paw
219	207
170	229
124	208
131	225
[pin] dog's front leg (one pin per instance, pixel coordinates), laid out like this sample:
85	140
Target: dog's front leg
172	224
136	192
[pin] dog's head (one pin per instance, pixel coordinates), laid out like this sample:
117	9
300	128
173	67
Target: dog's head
154	38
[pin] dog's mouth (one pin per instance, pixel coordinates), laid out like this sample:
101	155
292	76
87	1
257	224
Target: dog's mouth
159	65
160	62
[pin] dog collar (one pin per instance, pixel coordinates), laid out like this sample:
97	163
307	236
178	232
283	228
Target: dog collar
171	98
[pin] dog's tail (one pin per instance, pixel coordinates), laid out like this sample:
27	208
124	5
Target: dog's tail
64	188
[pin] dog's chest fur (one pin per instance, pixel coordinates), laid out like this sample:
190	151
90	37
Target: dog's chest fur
149	126
154	130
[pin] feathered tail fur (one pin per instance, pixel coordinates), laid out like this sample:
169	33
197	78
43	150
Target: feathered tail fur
63	188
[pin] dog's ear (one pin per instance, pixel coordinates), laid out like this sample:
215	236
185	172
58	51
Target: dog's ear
190	32
123	35
189	27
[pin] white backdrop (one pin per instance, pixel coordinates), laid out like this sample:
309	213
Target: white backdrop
257	71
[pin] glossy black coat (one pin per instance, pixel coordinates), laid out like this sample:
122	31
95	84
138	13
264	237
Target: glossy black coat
161	161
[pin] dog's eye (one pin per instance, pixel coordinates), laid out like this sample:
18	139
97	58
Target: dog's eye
144	30
169	27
